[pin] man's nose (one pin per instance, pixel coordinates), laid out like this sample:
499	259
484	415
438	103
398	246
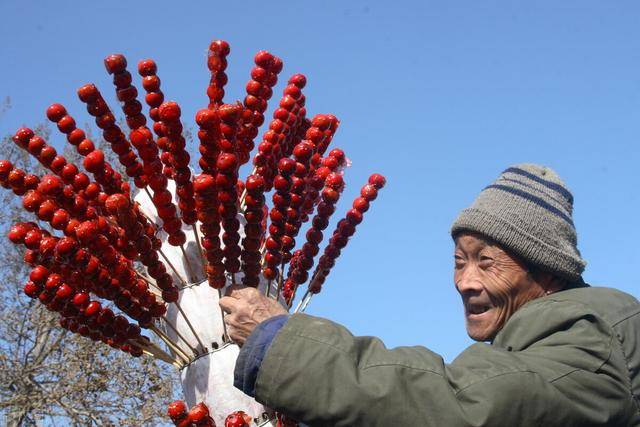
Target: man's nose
468	280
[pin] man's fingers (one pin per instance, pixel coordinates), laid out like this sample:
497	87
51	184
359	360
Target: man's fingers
228	304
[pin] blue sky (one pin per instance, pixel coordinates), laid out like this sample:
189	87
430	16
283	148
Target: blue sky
438	96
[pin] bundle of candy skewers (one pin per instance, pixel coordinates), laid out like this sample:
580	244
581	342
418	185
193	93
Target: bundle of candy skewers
113	270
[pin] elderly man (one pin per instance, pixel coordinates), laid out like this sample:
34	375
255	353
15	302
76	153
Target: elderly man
552	350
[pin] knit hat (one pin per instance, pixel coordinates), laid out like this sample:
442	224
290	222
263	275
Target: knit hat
528	211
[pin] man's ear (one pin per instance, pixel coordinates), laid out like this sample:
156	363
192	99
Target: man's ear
550	283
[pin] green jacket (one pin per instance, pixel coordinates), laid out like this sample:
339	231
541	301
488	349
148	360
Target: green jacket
568	359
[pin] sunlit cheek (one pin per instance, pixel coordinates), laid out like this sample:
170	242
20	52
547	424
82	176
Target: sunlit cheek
500	291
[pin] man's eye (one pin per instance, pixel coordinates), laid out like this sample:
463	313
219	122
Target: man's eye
486	261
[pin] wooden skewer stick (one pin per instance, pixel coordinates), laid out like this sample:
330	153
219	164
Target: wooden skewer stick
184	282
200	251
175	348
304	302
146	190
186	319
173	328
151	284
244	192
280	278
225	334
177	365
157	352
267	289
186	258
153	288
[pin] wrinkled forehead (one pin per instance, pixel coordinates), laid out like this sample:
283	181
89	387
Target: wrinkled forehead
471	240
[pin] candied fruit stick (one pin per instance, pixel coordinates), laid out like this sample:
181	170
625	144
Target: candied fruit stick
90	233
292	111
271	149
282	214
50	200
56	294
281	199
94	161
83	271
345	229
322	142
88	327
142	138
302	154
207	206
217	64
59	293
226	182
121	207
148	69
49	158
303	259
15	179
207	213
111	132
169	113
264	77
254	208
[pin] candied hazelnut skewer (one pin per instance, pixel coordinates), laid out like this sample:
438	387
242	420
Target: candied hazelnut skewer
264	77
94	162
111	132
147	69
142	138
345	229
217	64
303	259
69	252
226	183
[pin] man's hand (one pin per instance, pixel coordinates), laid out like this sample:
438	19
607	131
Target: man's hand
247	307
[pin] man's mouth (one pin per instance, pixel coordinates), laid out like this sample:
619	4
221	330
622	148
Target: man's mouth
477	309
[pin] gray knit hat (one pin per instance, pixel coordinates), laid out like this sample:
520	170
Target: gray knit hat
528	211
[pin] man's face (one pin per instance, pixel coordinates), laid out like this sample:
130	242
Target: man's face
493	284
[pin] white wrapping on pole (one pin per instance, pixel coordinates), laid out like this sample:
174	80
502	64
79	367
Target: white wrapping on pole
208	378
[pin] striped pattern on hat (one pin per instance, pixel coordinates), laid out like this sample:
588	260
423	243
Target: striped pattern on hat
528	210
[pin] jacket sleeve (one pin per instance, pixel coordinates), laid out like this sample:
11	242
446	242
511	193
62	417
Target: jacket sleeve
321	375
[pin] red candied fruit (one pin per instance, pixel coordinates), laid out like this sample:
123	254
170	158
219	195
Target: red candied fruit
369	192
220	47
147	67
299	80
204	183
264	59
255	183
117	202
115	63
206	118
198	413
361	204
88	93
18	232
50	185
237	419
169	111
377	180
93	309
94	162
334	181
56	112
22	136
177	410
